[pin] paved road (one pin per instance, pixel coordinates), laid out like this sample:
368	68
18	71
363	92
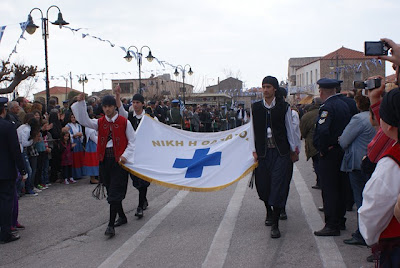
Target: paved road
65	228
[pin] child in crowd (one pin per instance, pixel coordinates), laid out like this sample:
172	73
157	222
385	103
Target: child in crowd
66	157
48	144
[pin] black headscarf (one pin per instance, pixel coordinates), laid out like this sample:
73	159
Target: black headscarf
389	110
56	130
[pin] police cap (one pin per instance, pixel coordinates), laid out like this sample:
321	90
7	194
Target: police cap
175	101
329	83
3	101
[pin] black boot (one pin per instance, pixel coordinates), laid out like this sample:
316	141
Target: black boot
275	233
139	212
110	231
283	215
268	220
121	216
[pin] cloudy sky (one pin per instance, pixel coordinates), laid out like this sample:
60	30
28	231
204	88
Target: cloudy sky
247	39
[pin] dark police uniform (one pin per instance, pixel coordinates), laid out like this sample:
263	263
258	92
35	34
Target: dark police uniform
10	161
333	117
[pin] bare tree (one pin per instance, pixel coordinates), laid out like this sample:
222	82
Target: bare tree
15	74
230	73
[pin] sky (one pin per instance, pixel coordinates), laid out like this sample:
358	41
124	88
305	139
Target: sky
244	39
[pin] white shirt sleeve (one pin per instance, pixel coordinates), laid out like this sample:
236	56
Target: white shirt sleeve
91	134
80	111
290	129
122	112
24	133
130	148
296	129
379	198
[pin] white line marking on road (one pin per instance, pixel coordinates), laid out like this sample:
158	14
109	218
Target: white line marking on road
219	247
328	250
121	254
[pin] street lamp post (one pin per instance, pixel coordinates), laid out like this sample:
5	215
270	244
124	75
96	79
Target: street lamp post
183	69
31	28
83	80
129	57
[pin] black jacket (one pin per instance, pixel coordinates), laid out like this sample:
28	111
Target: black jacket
10	156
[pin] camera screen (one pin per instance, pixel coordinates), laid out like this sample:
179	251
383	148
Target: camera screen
374	48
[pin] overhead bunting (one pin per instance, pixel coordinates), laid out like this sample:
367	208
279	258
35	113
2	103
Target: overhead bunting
2	28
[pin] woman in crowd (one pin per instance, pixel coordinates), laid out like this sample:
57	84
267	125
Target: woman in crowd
40	148
55	131
78	153
354	141
28	133
91	161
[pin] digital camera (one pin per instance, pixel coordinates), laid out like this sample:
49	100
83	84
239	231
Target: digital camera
368	84
375	48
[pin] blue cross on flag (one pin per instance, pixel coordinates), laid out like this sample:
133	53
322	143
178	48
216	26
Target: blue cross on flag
200	160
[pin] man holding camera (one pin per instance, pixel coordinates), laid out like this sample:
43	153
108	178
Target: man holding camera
333	117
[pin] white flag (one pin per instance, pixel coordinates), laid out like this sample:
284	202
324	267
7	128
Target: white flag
190	160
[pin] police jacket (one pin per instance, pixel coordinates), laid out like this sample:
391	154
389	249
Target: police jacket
10	156
334	115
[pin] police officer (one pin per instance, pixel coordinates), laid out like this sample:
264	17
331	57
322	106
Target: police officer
333	117
10	161
174	115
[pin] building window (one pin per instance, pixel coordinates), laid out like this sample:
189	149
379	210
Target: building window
311	77
126	87
306	78
316	75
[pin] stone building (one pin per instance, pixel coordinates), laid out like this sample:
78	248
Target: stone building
153	86
58	93
225	85
344	64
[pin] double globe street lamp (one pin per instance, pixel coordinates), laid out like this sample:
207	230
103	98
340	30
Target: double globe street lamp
139	54
83	80
31	28
183	69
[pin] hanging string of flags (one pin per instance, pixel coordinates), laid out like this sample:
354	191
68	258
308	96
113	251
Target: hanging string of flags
23	25
112	44
357	67
91	76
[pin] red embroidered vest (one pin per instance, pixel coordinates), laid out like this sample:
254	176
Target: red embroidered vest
120	141
393	229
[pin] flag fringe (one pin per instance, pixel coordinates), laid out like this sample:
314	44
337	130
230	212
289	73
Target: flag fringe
188	188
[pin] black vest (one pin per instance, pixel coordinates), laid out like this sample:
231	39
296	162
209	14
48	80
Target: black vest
134	120
278	127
